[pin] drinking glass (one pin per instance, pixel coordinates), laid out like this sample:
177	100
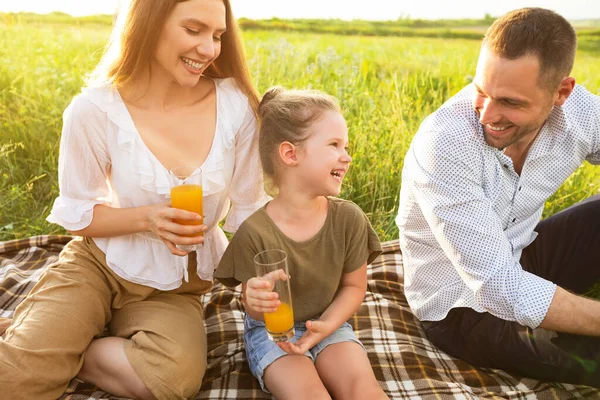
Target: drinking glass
268	264
186	194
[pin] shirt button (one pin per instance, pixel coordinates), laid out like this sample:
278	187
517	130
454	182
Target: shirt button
514	219
519	188
505	165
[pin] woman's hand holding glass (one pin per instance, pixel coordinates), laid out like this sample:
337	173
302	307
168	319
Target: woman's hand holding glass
162	224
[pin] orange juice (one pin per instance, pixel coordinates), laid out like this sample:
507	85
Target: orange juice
281	320
189	198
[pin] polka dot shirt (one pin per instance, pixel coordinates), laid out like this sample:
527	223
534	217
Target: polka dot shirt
465	214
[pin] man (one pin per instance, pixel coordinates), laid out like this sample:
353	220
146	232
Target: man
491	284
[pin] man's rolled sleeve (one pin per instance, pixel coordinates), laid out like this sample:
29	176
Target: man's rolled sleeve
535	296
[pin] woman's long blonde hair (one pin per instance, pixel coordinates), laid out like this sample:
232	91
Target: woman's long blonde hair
134	39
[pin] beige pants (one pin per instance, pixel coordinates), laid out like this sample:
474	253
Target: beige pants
75	300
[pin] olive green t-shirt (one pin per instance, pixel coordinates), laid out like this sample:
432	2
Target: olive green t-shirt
344	243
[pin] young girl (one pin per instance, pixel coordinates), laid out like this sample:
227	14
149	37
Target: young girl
173	89
303	147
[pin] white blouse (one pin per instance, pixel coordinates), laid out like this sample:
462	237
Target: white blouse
103	160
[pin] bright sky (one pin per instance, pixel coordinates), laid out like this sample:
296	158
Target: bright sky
343	9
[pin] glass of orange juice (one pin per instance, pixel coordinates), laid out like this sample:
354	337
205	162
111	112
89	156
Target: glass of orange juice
186	194
269	264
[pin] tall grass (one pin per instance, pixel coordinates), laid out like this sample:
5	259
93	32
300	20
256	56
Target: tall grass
386	86
405	27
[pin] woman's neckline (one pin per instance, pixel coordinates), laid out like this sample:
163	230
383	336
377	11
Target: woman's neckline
147	149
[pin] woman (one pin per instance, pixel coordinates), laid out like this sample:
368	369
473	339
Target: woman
159	98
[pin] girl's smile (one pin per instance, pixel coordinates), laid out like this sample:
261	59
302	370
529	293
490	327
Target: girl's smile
323	159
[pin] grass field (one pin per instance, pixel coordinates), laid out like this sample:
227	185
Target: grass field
387	85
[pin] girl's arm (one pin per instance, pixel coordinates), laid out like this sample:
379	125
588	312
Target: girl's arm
349	298
257	295
347	301
257	315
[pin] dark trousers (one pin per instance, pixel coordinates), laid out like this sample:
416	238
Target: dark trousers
566	252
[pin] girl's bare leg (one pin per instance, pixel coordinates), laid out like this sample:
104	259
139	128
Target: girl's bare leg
355	380
294	377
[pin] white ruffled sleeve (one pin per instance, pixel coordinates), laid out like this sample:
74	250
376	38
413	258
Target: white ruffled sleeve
83	165
246	192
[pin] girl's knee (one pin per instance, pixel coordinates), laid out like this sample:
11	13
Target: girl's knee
313	391
366	388
316	392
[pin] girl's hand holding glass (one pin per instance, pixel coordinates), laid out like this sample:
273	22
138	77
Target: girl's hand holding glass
162	223
259	295
272	266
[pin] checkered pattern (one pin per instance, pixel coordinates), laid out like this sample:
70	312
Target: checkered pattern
405	363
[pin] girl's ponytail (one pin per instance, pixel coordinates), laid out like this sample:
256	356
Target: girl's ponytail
270	94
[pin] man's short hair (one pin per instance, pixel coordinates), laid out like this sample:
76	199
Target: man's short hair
538	32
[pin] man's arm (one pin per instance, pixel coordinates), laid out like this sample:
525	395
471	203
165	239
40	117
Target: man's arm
569	312
573	314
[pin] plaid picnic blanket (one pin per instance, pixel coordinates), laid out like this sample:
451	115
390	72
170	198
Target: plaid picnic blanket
406	365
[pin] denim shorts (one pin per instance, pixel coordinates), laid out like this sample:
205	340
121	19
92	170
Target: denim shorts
262	351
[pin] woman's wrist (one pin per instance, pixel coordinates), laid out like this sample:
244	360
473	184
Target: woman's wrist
145	218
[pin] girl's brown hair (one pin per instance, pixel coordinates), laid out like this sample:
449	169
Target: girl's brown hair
134	39
286	116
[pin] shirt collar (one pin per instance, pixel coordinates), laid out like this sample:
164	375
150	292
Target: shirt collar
552	134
